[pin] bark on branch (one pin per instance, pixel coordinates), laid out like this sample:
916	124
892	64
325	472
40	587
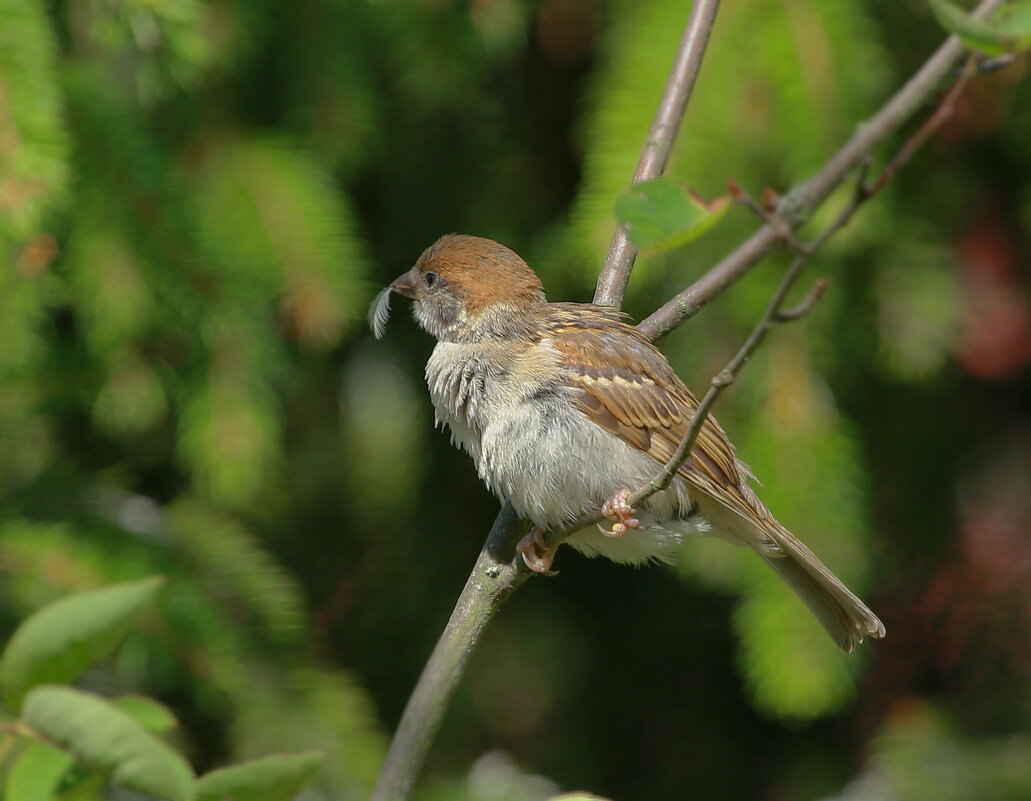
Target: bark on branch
800	202
615	274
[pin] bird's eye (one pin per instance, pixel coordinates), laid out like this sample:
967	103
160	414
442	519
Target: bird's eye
431	278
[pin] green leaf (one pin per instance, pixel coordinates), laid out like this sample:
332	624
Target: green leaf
107	739
272	778
36	773
150	714
661	215
577	796
57	643
1014	20
1008	32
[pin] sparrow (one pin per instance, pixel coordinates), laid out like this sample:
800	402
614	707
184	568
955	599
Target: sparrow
565	409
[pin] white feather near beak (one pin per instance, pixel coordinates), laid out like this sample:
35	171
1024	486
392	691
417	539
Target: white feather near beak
379	312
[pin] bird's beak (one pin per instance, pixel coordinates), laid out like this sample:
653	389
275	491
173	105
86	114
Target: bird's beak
406	285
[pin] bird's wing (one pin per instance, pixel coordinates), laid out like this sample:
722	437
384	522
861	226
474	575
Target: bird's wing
629	389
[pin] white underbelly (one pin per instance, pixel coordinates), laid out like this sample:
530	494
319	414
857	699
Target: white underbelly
553	463
555	466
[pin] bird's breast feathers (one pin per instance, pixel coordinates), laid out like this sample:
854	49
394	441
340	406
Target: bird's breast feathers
519	417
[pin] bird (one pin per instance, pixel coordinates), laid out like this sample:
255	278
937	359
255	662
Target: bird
565	409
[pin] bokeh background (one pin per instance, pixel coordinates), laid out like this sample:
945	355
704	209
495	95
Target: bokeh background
198	201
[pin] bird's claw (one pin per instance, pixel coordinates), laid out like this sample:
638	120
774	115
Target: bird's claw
536	553
619	510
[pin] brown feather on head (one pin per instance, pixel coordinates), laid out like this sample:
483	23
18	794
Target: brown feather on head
463	286
483	272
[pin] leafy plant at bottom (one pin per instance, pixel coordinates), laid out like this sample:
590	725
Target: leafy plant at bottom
267	779
59	642
72	742
104	738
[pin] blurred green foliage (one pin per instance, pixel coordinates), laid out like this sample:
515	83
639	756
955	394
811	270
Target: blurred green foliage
197	202
69	743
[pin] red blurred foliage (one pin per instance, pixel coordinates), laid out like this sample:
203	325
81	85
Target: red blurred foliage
35	258
983	597
995	341
566	29
971	624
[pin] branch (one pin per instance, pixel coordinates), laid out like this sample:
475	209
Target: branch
806	306
798	205
613	278
771	317
774	313
494	576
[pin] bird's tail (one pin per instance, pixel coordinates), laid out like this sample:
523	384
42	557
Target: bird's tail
845	617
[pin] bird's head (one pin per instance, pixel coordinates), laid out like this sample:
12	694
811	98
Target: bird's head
466	288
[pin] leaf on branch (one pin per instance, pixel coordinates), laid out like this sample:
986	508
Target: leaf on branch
1008	31
103	737
273	778
150	714
1014	20
36	773
661	214
577	797
60	641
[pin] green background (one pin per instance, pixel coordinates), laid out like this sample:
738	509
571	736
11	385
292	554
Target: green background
198	200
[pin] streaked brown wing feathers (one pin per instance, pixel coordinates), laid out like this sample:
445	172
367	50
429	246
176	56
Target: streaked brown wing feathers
630	390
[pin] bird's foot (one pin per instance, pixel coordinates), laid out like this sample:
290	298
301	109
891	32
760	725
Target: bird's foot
619	510
536	553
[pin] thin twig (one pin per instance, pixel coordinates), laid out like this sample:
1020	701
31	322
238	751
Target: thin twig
806	197
723	379
806	306
945	110
804	253
771	317
780	224
615	274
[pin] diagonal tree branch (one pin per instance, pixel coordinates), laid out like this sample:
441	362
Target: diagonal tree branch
774	313
798	205
615	274
494	576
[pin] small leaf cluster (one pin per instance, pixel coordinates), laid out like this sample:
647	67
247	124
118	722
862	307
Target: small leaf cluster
68	742
1007	31
661	215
